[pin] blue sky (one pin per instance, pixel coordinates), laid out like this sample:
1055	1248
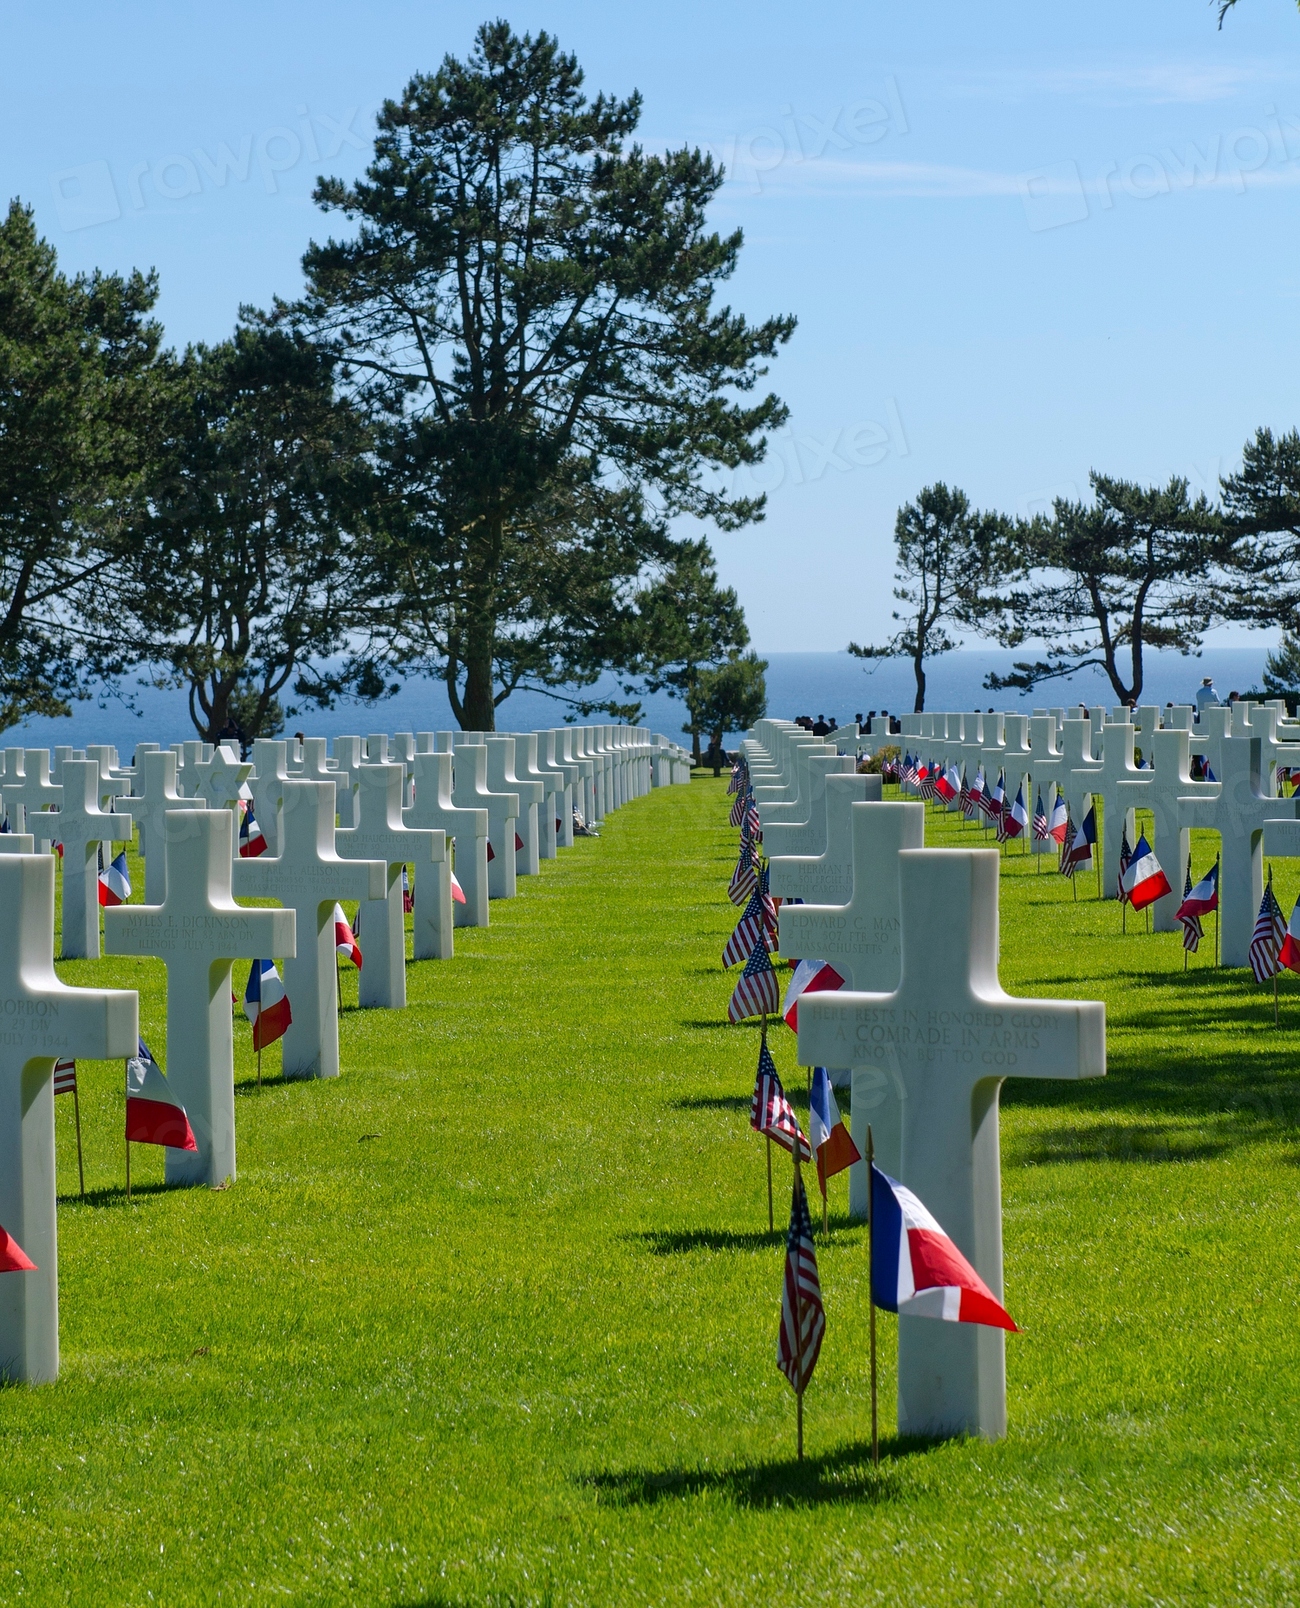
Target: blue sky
1021	241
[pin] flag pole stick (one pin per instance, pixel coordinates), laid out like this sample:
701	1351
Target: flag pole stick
76	1108
871	1297
771	1224
128	1169
798	1324
1216	913
259	1066
1275	1021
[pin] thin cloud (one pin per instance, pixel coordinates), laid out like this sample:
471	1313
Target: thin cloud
1157	83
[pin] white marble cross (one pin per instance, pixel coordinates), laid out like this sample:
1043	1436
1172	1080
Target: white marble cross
114	782
1117	766
349	755
471	792
433	810
83	827
568	780
1169	782
157	792
199	931
270	773
308	877
383	835
827	878
807	838
861	939
584	791
1082	772
44	1021
503	777
1246	799
529	768
35	793
943	1041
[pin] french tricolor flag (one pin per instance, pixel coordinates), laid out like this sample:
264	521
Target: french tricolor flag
115	882
916	1270
831	1141
345	942
1016	819
1144	881
810	977
1059	822
251	839
1203	898
266	1004
457	892
154	1116
1289	954
947	784
13	1259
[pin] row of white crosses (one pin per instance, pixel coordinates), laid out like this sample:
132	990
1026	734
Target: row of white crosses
191	921
927	1037
1091	755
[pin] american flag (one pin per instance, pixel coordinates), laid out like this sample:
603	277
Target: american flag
744	879
758	920
975	801
1126	859
1076	851
803	1318
757	993
963	797
770	1112
908	773
733	785
1193	932
1040	819
929	776
65	1077
995	802
753	827
738	809
1266	940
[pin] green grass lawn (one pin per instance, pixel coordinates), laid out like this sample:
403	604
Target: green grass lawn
492	1318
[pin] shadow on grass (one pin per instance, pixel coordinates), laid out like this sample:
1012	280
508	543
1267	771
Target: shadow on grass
681	1241
115	1194
845	1475
1209	1073
714	1102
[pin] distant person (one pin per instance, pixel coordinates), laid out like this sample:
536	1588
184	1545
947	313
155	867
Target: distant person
1206	697
1234	697
820	727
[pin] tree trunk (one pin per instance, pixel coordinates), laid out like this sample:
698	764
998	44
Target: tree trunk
918	664
695	745
480	710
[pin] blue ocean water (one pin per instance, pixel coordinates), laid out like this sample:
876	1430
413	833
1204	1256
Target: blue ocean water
831	684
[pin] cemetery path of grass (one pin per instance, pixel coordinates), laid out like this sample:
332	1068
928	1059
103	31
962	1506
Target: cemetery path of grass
492	1318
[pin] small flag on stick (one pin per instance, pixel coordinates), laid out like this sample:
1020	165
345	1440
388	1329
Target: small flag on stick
757	992
803	1317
